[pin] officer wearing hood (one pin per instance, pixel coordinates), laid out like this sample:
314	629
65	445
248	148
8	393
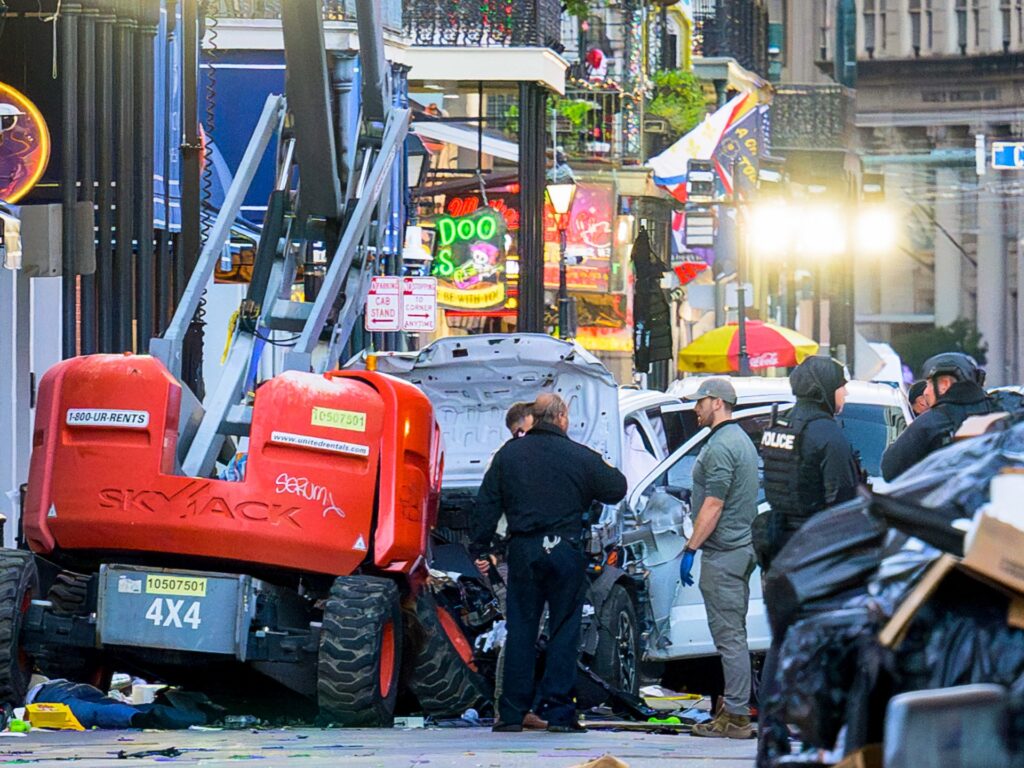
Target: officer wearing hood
955	391
808	462
808	467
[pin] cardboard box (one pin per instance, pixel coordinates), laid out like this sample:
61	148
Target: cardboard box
998	552
866	757
974	426
991	566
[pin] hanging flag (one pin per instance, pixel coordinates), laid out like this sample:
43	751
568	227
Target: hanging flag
741	145
701	144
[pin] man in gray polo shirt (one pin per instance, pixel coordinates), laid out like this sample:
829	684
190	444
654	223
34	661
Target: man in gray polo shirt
724	502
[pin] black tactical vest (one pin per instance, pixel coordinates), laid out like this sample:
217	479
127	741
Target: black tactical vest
780	449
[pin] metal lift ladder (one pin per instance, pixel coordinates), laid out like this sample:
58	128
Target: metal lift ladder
343	200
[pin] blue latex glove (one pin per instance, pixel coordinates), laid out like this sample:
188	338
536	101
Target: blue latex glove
685	566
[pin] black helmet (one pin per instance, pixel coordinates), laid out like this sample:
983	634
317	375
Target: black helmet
959	365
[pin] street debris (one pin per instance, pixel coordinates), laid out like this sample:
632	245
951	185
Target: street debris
878	606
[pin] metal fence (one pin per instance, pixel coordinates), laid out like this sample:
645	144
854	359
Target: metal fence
515	23
736	28
812	116
334	10
591	125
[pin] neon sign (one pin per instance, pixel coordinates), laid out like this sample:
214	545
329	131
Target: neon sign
470	259
24	144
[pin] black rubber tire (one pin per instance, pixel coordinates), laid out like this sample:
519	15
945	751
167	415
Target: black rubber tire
437	675
69	597
69	594
618	654
349	670
19	585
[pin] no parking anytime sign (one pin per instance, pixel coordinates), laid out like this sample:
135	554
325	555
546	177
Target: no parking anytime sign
419	303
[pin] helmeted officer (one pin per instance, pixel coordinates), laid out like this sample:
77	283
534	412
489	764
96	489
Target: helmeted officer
955	387
544	483
808	462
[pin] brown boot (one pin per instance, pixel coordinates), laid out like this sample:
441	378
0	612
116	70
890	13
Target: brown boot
532	722
726	726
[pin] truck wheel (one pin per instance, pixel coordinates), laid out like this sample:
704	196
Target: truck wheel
69	597
441	672
19	584
360	652
617	658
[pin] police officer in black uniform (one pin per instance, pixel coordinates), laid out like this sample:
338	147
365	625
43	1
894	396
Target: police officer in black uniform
808	467
955	387
544	483
808	462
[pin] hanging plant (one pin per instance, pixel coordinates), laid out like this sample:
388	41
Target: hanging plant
678	99
578	8
574	110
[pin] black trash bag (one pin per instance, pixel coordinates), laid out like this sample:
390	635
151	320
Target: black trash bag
905	560
834	552
1015	722
817	668
951	484
960	636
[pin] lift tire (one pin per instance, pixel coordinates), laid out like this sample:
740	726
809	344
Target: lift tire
618	654
360	652
441	673
19	584
69	596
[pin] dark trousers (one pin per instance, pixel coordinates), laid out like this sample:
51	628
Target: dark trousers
535	577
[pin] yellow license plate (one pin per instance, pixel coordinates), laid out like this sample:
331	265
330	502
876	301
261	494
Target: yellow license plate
160	584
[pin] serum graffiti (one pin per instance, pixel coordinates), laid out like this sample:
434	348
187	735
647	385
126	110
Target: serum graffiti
305	488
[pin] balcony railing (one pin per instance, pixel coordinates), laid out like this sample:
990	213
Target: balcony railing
475	23
736	28
591	126
812	117
334	10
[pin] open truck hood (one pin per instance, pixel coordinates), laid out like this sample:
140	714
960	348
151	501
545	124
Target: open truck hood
472	381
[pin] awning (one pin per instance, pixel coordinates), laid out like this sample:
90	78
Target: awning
467	138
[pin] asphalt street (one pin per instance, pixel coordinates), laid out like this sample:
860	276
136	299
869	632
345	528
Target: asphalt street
366	748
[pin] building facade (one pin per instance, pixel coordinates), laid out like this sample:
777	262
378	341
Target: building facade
934	78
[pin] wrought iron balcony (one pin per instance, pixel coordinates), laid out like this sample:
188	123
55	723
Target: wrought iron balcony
476	23
735	28
592	125
334	10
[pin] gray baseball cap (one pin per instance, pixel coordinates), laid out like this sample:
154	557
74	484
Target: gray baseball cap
719	388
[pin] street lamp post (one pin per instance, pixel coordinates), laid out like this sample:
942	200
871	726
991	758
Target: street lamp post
561	196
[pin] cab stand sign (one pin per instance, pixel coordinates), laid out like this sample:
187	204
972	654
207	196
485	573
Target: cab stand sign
401	304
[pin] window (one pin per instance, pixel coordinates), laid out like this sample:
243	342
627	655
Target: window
869	27
678	479
882	21
871	429
672	428
914	9
961	25
929	25
1005	21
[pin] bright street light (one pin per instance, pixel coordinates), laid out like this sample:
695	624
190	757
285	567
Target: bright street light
771	229
877	230
560	196
821	231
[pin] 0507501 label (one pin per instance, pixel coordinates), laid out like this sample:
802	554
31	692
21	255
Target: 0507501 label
339	419
192	586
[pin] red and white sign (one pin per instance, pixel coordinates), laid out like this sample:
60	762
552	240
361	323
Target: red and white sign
384	304
419	304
